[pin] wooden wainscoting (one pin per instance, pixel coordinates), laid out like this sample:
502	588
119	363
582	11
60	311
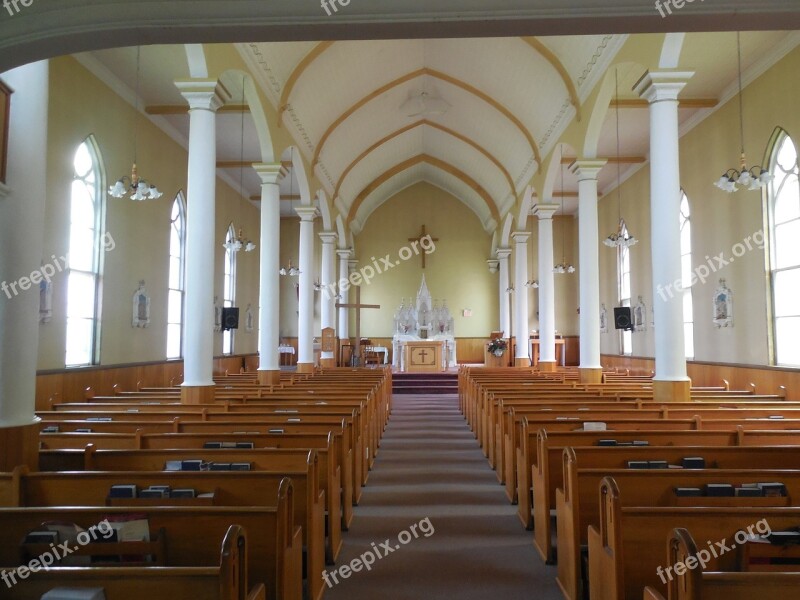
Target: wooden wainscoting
69	385
766	379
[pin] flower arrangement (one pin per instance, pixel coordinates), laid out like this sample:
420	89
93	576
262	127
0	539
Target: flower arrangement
498	346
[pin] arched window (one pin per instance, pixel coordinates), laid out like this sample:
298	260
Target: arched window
87	214
686	276
229	288
624	289
784	221
175	296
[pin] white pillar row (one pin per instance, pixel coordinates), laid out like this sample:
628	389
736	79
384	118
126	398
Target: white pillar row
502	284
661	90
521	334
590	369
269	370
547	292
305	324
341	291
328	293
204	97
22	208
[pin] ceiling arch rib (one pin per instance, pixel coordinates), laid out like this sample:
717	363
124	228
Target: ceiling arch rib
297	73
551	57
420	123
434	162
442	77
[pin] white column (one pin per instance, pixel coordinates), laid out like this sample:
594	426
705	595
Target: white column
22	204
589	274
269	279
328	292
547	293
661	91
204	97
305	325
502	284
521	358
341	290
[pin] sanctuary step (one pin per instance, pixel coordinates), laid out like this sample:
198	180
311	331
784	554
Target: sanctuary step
425	383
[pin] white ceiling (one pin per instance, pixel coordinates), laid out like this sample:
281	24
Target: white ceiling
502	93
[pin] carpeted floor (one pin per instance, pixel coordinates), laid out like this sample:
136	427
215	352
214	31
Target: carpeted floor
430	467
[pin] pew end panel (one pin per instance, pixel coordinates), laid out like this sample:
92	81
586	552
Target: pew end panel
605	547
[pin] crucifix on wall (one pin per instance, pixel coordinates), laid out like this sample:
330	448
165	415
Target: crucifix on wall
419	241
357	306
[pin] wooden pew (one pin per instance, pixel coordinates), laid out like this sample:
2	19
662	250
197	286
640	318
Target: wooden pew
194	533
577	507
627	549
696	584
227	581
261	459
242	488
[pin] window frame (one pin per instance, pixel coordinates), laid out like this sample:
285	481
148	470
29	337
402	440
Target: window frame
779	137
180	202
96	273
686	219
229	284
625	335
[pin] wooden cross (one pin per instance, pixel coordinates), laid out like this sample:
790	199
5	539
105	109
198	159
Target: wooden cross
419	240
358	306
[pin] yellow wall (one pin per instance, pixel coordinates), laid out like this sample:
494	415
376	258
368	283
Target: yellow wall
719	220
81	105
455	271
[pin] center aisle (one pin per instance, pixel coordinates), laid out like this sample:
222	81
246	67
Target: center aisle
430	467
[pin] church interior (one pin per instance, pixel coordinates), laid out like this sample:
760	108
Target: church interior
435	302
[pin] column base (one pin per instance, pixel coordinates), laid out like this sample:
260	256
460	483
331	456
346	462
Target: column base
547	366
305	367
20	446
327	363
672	391
267	377
522	362
590	375
198	394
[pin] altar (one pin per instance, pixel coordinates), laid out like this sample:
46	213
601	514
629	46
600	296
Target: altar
423	334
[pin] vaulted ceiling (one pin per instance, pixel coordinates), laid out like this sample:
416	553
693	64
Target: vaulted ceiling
494	109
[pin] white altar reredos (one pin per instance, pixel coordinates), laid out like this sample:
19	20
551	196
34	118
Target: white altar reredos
424	321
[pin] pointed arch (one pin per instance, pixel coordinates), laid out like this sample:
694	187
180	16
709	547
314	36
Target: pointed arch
176	287
85	269
442	77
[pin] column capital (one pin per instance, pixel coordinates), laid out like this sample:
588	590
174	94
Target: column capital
503	253
344	253
270	173
520	237
661	86
306	213
545	211
587	169
203	94
352	264
328	237
494	264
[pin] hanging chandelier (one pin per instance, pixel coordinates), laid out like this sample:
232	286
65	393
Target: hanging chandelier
563	266
755	177
237	243
138	188
620	238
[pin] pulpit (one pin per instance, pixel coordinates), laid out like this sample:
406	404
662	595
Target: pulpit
424	356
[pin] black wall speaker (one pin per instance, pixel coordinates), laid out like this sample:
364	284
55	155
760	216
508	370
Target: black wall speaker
622	317
230	318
